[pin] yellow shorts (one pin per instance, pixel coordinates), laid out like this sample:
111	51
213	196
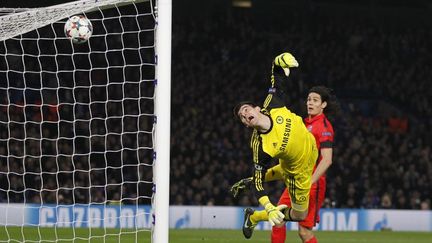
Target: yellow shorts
298	182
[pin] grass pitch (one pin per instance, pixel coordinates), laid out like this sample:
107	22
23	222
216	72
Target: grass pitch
64	235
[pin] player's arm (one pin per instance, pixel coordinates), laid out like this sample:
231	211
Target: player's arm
324	164
326	138
281	68
262	161
279	77
260	169
275	213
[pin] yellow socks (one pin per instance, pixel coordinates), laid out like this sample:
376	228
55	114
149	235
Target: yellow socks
258	216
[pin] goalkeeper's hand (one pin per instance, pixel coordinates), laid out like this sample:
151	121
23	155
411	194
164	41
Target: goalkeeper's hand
240	186
286	60
275	216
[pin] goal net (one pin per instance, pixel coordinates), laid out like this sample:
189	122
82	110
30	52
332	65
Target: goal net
81	125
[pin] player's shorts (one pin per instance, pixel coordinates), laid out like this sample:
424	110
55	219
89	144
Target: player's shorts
316	199
298	181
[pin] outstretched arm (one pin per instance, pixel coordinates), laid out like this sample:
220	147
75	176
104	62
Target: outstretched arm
281	68
262	161
279	77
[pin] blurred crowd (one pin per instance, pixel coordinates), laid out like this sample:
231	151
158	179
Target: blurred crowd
379	70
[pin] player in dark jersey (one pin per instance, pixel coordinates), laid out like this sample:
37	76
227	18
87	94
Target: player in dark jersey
278	134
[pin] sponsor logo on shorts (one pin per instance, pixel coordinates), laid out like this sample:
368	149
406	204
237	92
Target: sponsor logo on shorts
302	199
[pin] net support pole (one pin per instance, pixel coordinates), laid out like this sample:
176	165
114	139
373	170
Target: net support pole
163	116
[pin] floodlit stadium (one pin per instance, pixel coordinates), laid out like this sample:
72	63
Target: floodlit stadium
117	125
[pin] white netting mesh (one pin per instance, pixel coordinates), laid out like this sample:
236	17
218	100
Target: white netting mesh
76	124
30	19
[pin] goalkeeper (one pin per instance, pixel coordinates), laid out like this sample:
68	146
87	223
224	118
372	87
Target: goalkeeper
278	134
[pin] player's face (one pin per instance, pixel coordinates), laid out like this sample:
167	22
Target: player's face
249	115
314	104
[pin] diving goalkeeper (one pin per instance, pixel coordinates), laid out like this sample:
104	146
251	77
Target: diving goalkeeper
278	134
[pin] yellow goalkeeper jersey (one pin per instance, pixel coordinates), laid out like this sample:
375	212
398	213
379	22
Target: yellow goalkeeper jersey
287	140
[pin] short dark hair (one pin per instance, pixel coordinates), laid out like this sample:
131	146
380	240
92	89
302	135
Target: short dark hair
239	105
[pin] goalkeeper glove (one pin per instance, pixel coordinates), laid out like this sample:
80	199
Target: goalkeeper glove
275	216
240	186
286	60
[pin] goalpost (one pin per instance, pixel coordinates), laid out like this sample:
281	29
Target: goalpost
85	128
